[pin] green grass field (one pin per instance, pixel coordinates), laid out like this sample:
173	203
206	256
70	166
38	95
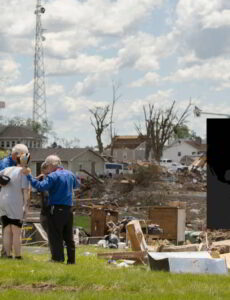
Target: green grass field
92	278
83	221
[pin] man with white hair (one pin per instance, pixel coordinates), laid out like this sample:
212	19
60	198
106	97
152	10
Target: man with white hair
11	161
60	184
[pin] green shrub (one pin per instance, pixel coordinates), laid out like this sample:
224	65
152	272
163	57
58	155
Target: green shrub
145	175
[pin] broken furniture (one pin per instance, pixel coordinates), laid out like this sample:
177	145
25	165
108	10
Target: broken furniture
136	236
151	231
171	220
100	216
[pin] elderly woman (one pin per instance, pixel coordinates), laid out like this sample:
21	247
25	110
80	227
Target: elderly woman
13	205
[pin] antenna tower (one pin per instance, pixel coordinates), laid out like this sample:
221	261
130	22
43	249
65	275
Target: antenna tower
39	96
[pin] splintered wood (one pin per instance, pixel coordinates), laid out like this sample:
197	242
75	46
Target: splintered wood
136	236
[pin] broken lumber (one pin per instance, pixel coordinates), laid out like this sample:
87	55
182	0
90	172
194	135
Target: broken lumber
91	175
221	246
182	248
138	256
226	256
136	236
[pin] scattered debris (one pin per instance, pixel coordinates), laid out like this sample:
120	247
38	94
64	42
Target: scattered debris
187	262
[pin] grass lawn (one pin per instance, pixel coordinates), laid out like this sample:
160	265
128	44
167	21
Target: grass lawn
83	221
92	278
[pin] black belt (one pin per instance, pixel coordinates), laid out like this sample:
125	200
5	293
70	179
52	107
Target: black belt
60	206
52	207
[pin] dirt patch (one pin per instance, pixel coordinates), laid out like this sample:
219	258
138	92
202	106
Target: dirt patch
48	287
39	287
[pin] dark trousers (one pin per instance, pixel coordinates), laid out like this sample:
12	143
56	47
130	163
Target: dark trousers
60	230
44	222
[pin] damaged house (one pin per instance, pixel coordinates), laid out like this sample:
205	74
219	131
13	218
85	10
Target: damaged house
73	159
12	135
130	148
182	149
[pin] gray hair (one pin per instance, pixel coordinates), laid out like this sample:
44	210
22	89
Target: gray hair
53	160
20	149
44	166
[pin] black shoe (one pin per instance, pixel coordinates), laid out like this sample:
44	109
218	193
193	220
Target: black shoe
18	257
70	263
10	256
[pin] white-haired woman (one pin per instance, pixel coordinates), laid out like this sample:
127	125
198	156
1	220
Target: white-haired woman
13	205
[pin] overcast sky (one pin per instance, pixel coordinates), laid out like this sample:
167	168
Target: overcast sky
158	51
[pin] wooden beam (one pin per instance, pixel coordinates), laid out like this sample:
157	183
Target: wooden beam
138	256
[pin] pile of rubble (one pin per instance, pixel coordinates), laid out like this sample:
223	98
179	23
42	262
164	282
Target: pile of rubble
202	256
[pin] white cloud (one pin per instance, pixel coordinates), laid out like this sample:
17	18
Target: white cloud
143	51
150	79
188	58
204	27
90	84
217	69
20	106
54	89
82	64
191	12
9	68
217	19
17	90
111	17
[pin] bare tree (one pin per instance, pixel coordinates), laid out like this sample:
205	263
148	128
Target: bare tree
147	135
116	96
160	126
99	123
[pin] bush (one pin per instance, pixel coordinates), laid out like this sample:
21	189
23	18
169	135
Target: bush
144	176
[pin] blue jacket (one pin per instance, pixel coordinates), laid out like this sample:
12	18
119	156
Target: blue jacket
59	184
7	162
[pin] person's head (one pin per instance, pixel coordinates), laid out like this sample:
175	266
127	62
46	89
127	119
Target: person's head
53	162
44	168
18	150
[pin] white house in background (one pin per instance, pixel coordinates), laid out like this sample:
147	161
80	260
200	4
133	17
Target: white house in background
181	148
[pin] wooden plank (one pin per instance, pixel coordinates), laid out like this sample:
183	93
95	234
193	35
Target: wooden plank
136	236
138	256
226	256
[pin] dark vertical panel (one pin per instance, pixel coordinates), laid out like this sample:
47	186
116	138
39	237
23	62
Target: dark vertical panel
218	174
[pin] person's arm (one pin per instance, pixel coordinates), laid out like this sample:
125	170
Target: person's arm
43	185
26	202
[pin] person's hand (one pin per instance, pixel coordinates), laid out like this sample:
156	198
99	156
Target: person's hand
25	212
26	171
40	177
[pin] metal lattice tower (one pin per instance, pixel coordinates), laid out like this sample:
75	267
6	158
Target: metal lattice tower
39	96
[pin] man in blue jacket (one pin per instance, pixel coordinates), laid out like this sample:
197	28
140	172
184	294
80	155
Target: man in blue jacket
10	161
60	184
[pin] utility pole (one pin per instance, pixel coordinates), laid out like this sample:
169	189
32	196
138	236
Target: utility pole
39	94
